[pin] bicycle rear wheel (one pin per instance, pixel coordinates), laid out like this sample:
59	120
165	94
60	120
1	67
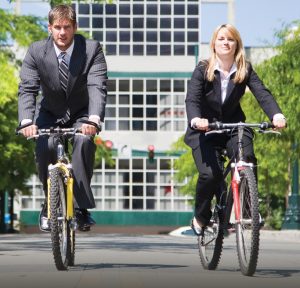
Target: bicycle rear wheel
247	229
61	233
210	244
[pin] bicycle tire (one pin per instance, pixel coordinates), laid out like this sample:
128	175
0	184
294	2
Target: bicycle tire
248	228
210	244
60	227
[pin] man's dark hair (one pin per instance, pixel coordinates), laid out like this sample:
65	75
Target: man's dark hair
61	12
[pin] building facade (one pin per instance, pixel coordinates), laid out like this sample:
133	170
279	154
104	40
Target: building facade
151	48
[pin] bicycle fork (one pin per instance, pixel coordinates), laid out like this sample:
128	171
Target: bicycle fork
69	185
235	192
235	182
70	196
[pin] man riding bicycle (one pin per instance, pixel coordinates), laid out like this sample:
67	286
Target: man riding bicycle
71	73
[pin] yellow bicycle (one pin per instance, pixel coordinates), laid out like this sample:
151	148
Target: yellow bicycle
61	212
60	208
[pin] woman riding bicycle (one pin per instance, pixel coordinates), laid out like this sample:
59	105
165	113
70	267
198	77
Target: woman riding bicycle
214	93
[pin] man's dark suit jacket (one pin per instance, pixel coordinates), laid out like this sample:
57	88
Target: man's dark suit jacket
204	100
86	90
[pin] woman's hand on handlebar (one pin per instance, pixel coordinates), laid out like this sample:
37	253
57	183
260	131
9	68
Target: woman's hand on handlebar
279	121
200	124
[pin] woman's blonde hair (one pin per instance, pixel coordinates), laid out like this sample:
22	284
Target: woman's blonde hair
239	56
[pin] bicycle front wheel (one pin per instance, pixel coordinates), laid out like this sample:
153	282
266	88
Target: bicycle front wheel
210	244
247	229
61	233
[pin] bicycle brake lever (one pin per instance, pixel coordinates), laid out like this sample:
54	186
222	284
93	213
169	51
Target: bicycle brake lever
269	132
214	132
33	137
217	131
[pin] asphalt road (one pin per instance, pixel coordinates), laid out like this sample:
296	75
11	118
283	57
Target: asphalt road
118	260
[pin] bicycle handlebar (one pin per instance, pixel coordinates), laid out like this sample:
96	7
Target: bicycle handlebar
57	131
51	131
219	127
61	130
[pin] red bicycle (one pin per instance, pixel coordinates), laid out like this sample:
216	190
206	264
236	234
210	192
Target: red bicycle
242	196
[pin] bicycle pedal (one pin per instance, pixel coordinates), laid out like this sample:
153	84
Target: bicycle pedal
261	221
211	223
84	228
226	233
74	225
230	226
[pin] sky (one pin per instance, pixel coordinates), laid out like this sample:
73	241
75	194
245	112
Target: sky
257	20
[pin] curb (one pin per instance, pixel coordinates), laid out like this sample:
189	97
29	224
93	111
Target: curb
183	232
284	235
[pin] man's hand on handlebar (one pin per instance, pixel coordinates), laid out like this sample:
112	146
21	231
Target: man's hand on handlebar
87	129
90	127
29	131
200	124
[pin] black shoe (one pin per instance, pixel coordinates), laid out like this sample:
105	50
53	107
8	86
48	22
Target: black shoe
44	223
198	230
84	220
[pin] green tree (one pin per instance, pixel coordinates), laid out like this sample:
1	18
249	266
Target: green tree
16	156
22	30
281	74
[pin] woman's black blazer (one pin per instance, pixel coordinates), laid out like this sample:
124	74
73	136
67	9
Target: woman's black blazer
204	99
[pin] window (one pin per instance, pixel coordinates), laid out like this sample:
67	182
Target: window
149	27
84	8
84	22
132	184
124	9
146	104
138	9
146	186
110	9
97	22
